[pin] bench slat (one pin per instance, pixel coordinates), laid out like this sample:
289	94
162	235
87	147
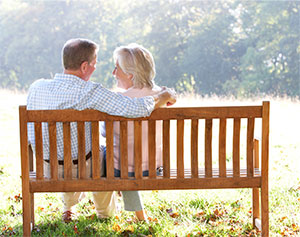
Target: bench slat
81	150
39	150
159	183
236	147
95	151
138	149
250	146
152	148
188	174
166	148
53	150
109	149
157	114
124	149
180	148
222	147
194	147
67	151
208	147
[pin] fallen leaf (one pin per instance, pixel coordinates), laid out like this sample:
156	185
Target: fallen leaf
75	229
116	227
283	218
169	210
91	217
152	220
200	214
174	215
296	228
130	228
91	202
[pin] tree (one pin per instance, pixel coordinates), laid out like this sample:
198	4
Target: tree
271	64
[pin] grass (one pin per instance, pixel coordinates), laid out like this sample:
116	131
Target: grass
172	213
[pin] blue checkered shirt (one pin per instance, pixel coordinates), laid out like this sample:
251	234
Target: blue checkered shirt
67	91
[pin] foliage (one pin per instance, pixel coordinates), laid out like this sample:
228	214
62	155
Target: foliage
208	47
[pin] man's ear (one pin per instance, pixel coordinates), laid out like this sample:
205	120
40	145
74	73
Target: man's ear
83	67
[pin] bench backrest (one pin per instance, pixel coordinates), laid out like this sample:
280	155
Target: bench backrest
179	122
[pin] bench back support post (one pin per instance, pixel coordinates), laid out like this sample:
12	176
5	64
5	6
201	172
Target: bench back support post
265	169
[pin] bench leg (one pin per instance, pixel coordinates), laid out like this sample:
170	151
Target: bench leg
26	201
255	205
265	210
32	209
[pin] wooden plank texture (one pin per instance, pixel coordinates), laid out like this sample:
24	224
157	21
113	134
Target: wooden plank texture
53	150
109	149
138	149
95	151
124	149
81	150
67	151
265	170
157	114
194	148
250	138
152	148
208	147
144	184
255	191
26	199
39	151
180	148
166	148
222	147
236	146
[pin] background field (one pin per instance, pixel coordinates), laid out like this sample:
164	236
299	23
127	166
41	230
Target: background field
206	212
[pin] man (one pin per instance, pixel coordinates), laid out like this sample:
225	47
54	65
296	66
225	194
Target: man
73	90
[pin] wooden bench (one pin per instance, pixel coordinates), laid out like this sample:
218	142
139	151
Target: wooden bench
194	155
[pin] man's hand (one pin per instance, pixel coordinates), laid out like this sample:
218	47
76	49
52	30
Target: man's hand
166	96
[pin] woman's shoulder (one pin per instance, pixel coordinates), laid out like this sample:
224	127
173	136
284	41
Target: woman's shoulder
141	92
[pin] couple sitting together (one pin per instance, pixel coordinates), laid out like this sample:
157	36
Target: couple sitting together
134	71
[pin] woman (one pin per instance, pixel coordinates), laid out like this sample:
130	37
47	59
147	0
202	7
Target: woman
135	72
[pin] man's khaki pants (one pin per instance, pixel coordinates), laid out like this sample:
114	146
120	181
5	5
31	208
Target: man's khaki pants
105	202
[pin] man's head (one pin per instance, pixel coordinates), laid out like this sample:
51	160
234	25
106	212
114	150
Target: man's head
79	57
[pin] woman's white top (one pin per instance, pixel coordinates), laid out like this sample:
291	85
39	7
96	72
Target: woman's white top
136	93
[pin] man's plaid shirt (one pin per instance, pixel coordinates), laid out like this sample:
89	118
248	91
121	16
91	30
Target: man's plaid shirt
66	91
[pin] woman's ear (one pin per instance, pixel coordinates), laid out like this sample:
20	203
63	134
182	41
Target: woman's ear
129	76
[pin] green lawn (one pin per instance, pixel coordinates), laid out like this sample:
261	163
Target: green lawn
172	213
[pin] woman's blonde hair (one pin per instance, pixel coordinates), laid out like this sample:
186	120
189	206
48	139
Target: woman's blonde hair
136	60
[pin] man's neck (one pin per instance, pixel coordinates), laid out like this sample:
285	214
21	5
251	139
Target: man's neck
74	73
